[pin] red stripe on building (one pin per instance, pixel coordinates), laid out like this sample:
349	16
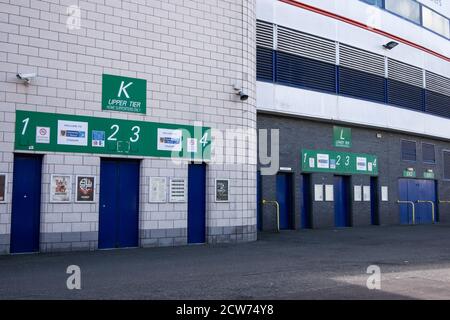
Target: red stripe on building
363	26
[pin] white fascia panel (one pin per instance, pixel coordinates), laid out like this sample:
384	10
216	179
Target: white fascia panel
317	105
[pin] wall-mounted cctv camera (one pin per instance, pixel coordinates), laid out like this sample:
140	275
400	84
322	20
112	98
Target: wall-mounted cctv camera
243	95
240	92
26	76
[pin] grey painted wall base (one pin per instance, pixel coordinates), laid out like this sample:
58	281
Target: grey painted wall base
83	241
163	237
68	241
231	234
4	243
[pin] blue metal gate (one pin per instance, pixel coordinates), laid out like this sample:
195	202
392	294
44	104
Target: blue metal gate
26	203
119	204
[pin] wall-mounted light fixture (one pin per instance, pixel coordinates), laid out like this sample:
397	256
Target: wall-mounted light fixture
390	45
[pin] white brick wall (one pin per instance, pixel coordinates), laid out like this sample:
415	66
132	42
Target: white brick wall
190	52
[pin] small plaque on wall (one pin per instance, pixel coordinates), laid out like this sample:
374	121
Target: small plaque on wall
158	189
3	186
222	190
177	190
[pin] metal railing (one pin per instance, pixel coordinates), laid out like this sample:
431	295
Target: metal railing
413	209
432	208
277	205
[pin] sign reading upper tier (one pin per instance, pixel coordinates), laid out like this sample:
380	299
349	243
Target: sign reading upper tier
68	133
124	94
339	162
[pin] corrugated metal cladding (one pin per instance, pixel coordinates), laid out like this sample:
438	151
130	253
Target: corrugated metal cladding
405	73
264	51
437	83
264	67
305	60
361	60
306	45
437	104
404	95
300	71
264	34
361	84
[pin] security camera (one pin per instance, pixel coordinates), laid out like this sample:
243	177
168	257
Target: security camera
243	95
240	92
26	76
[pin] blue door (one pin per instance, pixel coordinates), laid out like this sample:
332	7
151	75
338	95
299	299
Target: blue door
342	217
284	199
374	208
119	204
196	203
306	215
427	191
259	201
26	203
414	190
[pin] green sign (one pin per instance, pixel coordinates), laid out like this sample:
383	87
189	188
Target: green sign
67	133
428	175
124	94
339	162
342	137
409	173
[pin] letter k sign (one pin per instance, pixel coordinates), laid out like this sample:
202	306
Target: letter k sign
124	89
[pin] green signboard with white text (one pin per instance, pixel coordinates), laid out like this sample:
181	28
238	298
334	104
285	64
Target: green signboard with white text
339	162
36	131
124	94
342	137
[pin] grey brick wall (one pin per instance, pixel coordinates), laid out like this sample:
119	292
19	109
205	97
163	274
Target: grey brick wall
191	52
297	133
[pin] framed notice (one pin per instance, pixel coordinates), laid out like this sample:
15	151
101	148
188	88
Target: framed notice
329	192
158	189
384	193
357	193
85	189
3	186
366	193
318	192
60	188
222	190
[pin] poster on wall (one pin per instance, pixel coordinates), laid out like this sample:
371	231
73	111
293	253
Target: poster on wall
169	139
72	133
366	193
3	181
85	189
222	190
60	188
158	189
